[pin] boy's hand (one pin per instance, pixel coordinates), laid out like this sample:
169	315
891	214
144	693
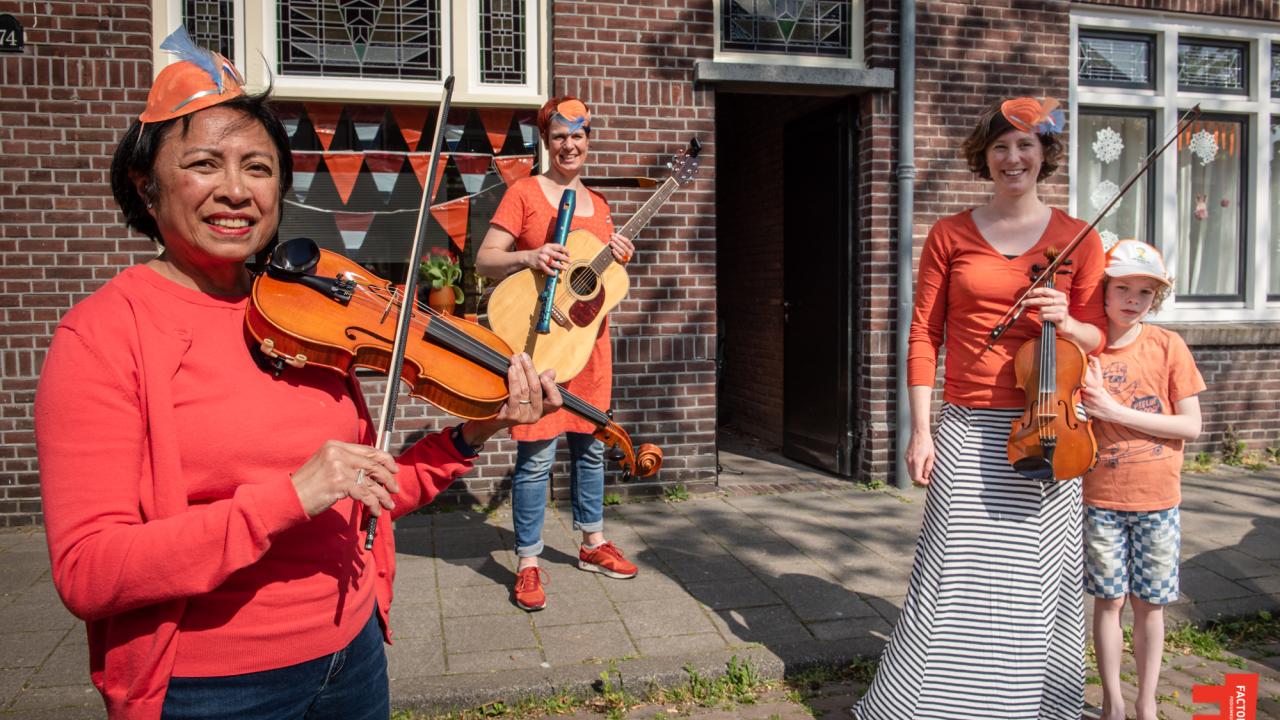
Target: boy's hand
1097	401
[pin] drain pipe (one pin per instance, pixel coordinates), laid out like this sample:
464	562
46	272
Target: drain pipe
906	203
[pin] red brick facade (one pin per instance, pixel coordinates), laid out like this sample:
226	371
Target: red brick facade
71	94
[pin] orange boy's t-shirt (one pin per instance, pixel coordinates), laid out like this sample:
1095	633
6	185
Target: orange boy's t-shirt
1136	471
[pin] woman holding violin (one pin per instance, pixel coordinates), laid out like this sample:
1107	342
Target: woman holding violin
519	237
203	516
993	622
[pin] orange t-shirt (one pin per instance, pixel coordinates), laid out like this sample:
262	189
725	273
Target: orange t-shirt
526	213
1136	471
963	288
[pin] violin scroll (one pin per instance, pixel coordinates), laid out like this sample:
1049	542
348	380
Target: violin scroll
643	464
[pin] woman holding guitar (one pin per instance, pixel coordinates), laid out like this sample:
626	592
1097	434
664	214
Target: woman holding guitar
993	622
519	238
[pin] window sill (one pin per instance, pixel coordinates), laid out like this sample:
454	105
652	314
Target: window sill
1226	334
774	77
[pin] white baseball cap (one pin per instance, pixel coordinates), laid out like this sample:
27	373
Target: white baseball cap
1134	257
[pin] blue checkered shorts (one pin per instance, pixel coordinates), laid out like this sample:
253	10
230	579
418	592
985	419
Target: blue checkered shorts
1132	552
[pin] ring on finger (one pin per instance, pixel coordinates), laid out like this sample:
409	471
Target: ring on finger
526	402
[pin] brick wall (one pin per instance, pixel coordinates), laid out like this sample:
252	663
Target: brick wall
66	101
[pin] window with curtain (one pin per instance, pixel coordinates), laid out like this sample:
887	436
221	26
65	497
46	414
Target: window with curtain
1273	288
1211	195
1112	145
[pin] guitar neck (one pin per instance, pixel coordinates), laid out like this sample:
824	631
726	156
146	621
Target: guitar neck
637	222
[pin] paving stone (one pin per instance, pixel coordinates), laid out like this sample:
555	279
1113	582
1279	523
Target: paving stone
765	625
12	680
82	701
1235	565
494	661
850	628
645	586
478	634
814	598
66	665
726	594
704	568
415	657
472	600
414	620
573	644
497	568
679	645
589	605
1199	584
28	649
667	616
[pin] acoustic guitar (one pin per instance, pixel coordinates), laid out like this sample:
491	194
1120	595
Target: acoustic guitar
591	286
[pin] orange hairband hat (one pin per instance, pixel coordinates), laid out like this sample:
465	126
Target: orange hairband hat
573	114
1041	117
201	78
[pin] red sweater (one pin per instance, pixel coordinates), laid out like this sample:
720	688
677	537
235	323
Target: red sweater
965	285
173	525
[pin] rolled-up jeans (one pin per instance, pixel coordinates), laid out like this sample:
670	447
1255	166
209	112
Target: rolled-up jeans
529	488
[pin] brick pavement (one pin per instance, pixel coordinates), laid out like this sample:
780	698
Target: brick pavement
784	579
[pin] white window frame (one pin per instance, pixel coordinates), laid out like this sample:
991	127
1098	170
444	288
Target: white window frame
255	26
856	58
1166	102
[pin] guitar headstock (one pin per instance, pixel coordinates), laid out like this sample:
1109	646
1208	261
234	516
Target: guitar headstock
685	163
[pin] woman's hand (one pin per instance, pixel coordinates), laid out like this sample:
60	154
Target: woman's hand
331	475
1097	401
622	248
530	396
920	456
1051	303
549	259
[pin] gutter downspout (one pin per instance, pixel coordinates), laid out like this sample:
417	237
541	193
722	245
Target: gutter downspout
906	204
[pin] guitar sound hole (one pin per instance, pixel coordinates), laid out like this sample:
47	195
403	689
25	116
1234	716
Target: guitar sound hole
583	281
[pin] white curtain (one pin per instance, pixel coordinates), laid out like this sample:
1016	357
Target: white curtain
1209	193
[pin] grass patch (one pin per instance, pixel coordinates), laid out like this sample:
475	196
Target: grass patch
612	499
1217	638
1201	463
675	493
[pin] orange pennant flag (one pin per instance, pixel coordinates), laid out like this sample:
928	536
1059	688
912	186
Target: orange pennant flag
324	118
410	118
344	168
514	167
453	217
422	163
496	123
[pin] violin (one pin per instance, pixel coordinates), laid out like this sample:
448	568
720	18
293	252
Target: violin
1049	442
315	307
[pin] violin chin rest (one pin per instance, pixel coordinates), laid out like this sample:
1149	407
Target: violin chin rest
1036	468
295	257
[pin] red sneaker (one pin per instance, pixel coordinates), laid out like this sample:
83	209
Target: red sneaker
606	559
529	594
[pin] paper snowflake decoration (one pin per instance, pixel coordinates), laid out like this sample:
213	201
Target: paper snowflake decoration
1204	146
1102	195
1107	145
1109	240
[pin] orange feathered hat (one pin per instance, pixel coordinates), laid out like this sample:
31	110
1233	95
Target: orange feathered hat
1030	115
200	79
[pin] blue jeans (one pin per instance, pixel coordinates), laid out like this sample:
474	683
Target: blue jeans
529	488
350	684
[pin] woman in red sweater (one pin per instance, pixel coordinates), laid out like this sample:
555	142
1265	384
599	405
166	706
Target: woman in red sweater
993	622
203	516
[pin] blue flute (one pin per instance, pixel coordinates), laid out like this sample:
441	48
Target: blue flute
547	297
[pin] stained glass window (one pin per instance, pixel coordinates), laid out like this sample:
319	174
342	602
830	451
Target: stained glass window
1273	289
1213	66
792	27
502	51
212	23
1211	191
1116	60
398	39
1275	71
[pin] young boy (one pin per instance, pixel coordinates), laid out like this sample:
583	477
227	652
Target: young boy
1141	392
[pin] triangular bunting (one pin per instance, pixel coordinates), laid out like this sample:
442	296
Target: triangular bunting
324	118
304	171
421	164
410	118
453	217
473	169
385	168
367	121
514	167
353	227
455	125
344	168
497	121
529	133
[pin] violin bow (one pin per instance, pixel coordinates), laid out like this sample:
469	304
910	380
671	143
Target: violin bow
387	419
1013	313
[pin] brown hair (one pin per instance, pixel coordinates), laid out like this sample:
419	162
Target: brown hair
990	126
548	109
1162	292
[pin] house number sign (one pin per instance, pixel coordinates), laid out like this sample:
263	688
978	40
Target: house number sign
11	38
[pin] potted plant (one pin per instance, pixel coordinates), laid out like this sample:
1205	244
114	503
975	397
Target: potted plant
440	271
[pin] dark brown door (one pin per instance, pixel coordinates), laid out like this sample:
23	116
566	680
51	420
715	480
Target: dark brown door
819	322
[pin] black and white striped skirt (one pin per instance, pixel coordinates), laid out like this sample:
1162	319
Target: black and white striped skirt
993	622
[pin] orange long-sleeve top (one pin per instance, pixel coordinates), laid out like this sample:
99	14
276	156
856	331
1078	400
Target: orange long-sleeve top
964	286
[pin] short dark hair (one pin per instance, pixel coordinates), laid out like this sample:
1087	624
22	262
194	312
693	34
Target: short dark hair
990	126
137	151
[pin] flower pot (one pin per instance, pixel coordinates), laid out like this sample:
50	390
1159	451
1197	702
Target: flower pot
441	300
